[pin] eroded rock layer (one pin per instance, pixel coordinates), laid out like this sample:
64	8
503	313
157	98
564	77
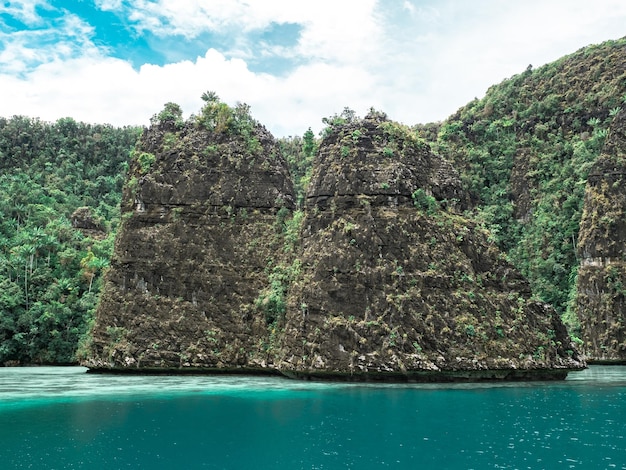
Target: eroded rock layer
601	288
378	277
199	215
394	282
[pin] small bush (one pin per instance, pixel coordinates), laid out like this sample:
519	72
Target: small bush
425	202
145	161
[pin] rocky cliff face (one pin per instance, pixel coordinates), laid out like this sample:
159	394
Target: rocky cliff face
190	261
378	277
601	298
396	283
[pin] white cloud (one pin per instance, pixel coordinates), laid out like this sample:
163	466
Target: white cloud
110	90
416	61
311	92
191	18
64	39
465	47
343	31
93	87
109	5
25	10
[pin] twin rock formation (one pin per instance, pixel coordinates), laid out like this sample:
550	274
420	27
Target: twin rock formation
377	277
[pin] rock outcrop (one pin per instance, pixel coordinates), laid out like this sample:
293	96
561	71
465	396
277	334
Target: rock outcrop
379	277
83	220
395	283
191	258
601	288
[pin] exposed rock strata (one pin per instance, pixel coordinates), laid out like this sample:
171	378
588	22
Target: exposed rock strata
394	283
83	220
383	280
601	297
190	259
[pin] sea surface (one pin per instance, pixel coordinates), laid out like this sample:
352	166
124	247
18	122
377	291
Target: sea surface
61	417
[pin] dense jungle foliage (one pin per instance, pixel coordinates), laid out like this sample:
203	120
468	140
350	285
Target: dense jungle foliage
49	270
525	150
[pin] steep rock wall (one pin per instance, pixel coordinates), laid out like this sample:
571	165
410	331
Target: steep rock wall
378	278
601	287
395	283
199	214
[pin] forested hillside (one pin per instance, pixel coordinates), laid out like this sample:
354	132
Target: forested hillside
376	277
525	150
51	255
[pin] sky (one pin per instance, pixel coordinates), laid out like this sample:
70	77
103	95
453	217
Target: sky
293	61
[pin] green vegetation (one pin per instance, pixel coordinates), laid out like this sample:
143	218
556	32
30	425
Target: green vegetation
281	274
145	161
337	120
50	272
171	116
299	153
425	202
524	152
220	118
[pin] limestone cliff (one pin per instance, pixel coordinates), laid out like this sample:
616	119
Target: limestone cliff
601	289
199	214
379	277
396	283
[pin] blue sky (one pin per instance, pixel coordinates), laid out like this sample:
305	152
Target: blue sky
294	62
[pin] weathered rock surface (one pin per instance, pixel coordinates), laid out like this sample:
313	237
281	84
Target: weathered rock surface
378	278
393	284
190	259
83	219
601	289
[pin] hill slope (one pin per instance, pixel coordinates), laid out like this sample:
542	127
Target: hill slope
60	189
525	151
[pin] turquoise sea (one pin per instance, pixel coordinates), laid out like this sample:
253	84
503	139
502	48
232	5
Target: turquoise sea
61	417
